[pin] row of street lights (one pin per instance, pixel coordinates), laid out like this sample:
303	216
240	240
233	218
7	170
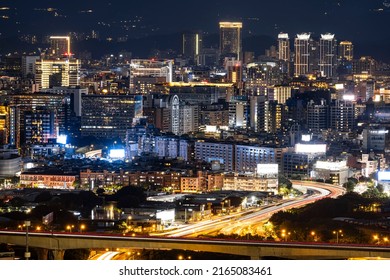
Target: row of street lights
285	234
378	239
71	227
27	224
339	233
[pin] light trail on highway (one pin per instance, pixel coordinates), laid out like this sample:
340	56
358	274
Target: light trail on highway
104	256
239	222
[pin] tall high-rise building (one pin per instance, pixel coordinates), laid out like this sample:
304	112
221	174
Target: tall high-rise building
328	57
57	72
284	47
234	70
170	113
365	64
192	46
258	109
60	46
32	116
374	138
4	124
317	116
116	115
345	50
230	39
214	152
282	93
39	126
28	64
189	118
145	73
302	46
276	117
238	112
247	157
58	68
342	115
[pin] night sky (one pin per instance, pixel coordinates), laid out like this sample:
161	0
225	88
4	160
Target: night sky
362	21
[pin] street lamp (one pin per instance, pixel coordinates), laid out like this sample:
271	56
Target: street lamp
337	232
82	227
313	234
69	227
285	234
376	238
27	254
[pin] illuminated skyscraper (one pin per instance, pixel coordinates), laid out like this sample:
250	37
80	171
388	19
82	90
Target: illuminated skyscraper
59	46
230	39
234	70
39	126
342	115
328	58
284	53
108	116
282	93
302	54
345	50
36	117
57	72
284	47
192	46
58	68
4	124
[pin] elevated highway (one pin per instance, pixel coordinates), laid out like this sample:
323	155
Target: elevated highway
57	243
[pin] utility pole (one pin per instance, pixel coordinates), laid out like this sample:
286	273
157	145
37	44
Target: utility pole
27	254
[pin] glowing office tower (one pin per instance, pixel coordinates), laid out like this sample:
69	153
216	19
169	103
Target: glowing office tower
4	124
192	46
57	72
342	115
302	54
284	47
230	39
346	51
60	46
328	58
58	68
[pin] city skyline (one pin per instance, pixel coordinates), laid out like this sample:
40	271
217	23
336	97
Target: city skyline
262	122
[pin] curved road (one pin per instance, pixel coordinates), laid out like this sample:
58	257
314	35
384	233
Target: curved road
237	222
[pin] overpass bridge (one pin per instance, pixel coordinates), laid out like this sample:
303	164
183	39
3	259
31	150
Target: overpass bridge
57	243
